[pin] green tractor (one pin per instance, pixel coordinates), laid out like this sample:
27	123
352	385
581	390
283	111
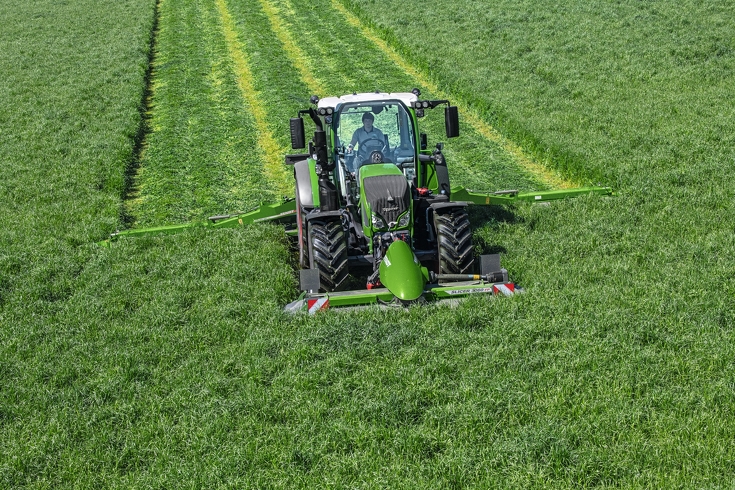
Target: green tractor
371	195
369	191
373	201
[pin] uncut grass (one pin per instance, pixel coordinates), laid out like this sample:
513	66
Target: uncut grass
600	91
71	89
69	117
173	374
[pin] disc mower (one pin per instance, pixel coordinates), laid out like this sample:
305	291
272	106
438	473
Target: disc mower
372	200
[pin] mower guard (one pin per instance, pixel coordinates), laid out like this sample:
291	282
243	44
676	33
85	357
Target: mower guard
312	303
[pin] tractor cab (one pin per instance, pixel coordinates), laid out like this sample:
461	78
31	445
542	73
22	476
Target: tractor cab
374	151
380	132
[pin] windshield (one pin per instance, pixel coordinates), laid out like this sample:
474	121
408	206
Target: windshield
376	132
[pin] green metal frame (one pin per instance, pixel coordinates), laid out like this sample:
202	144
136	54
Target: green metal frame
280	213
507	197
285	212
365	297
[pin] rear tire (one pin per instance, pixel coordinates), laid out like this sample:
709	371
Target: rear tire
329	254
454	235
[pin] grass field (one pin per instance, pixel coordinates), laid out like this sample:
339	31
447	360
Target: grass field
167	362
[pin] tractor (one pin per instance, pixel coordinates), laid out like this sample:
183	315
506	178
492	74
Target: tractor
357	197
371	194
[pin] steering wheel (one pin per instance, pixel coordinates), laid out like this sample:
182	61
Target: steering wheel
371	151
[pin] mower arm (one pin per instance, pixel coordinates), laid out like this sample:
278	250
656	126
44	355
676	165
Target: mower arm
506	197
283	213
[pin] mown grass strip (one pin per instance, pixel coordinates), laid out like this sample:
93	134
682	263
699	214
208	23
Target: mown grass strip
281	90
538	170
295	54
273	168
201	155
343	62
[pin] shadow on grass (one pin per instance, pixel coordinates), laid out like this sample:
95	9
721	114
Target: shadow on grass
130	189
490	217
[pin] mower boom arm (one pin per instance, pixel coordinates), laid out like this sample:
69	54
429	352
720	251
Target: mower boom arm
507	197
283	212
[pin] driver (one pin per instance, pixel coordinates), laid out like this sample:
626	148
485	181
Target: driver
366	132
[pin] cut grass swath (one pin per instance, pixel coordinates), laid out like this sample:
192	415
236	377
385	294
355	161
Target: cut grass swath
273	165
211	148
296	55
280	88
196	153
543	173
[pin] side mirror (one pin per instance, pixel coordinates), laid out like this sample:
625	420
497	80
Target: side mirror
298	140
422	140
451	121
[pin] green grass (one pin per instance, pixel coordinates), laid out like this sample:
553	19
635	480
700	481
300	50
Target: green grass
199	128
167	362
598	90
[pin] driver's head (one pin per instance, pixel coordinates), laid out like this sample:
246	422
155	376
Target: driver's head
367	120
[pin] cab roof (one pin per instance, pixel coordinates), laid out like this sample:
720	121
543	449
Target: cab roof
405	97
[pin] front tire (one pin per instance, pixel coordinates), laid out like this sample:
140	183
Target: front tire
329	254
454	235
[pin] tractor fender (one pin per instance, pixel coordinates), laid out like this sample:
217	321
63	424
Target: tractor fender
302	173
325	215
436	206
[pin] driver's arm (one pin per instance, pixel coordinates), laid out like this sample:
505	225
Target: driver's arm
354	141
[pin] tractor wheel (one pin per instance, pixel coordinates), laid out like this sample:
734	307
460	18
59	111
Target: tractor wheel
329	253
454	235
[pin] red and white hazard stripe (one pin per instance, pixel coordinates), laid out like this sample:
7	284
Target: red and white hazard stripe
508	289
318	304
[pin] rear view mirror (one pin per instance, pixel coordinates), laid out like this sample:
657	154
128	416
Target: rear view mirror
298	140
451	121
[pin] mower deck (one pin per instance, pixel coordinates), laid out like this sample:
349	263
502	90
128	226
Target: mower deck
313	302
